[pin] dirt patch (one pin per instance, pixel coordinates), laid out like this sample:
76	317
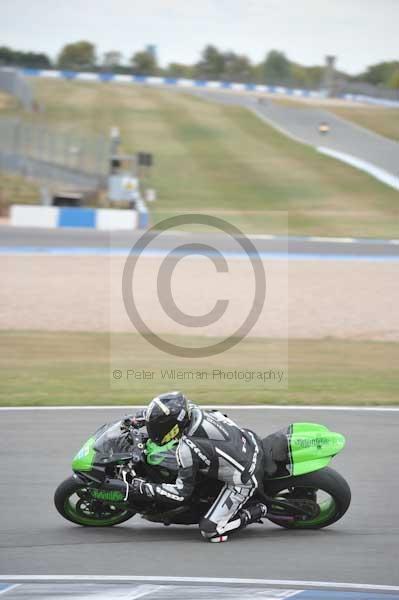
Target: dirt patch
5	101
305	299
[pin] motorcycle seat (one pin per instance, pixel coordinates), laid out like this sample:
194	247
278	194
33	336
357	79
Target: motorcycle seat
276	456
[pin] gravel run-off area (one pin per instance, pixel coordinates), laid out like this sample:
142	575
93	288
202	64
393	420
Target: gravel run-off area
305	299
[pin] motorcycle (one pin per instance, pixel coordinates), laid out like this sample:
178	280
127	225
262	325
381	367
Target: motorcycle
299	488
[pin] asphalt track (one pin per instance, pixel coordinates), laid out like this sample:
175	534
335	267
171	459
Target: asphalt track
36	448
301	123
34	239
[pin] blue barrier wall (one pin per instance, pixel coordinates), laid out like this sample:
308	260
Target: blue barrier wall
195	83
171	81
77	217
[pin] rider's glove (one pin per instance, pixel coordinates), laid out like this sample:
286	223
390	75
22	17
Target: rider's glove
140	487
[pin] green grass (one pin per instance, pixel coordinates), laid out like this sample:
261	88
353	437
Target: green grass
384	121
14	188
75	368
224	160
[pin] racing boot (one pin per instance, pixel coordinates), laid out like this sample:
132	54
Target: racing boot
246	516
252	514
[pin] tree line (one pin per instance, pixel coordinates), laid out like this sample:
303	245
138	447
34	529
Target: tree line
214	64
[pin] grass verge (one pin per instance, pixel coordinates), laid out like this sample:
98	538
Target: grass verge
39	368
224	160
384	121
14	188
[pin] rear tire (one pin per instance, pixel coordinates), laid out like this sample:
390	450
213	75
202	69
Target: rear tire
326	480
108	516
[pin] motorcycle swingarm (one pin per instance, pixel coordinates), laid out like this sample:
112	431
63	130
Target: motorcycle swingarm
285	504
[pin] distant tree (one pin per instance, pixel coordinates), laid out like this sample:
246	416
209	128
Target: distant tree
211	65
299	75
6	55
393	81
112	59
236	67
276	68
79	55
33	60
307	77
316	75
144	63
380	73
180	70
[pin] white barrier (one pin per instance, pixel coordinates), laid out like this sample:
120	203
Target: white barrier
105	219
111	219
25	215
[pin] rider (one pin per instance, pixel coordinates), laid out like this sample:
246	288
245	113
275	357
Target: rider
214	445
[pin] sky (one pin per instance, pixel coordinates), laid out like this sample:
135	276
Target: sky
358	32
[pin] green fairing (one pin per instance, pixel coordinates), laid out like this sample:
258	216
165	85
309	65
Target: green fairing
155	453
312	447
84	459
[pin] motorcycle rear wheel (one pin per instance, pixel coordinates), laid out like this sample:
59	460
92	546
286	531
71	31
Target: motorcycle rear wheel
74	508
335	492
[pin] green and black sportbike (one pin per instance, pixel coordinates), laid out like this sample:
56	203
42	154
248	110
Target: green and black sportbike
299	488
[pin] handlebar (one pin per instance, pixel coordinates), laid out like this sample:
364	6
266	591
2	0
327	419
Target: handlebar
137	437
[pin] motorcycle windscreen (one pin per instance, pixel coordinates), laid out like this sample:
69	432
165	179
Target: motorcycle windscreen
112	444
107	444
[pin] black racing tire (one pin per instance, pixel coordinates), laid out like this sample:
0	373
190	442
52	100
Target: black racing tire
328	480
71	486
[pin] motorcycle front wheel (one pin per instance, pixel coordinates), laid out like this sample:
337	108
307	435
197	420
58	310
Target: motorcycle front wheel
73	501
324	494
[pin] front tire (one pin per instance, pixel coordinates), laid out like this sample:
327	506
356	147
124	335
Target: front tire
327	481
70	502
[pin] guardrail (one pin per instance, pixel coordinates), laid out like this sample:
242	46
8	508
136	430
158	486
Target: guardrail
12	82
47	154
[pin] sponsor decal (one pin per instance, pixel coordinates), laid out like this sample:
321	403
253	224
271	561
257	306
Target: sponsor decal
84	451
198	452
317	442
163	492
255	454
181	415
171	434
109	496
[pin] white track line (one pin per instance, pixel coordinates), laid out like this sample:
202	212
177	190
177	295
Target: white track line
224	581
340	240
376	172
144	592
9	588
290	407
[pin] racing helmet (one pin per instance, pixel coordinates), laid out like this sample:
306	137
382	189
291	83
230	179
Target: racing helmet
166	417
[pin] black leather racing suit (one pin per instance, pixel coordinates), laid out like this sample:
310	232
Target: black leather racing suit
217	447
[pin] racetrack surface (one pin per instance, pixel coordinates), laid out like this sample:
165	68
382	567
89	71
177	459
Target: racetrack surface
36	450
301	123
38	238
